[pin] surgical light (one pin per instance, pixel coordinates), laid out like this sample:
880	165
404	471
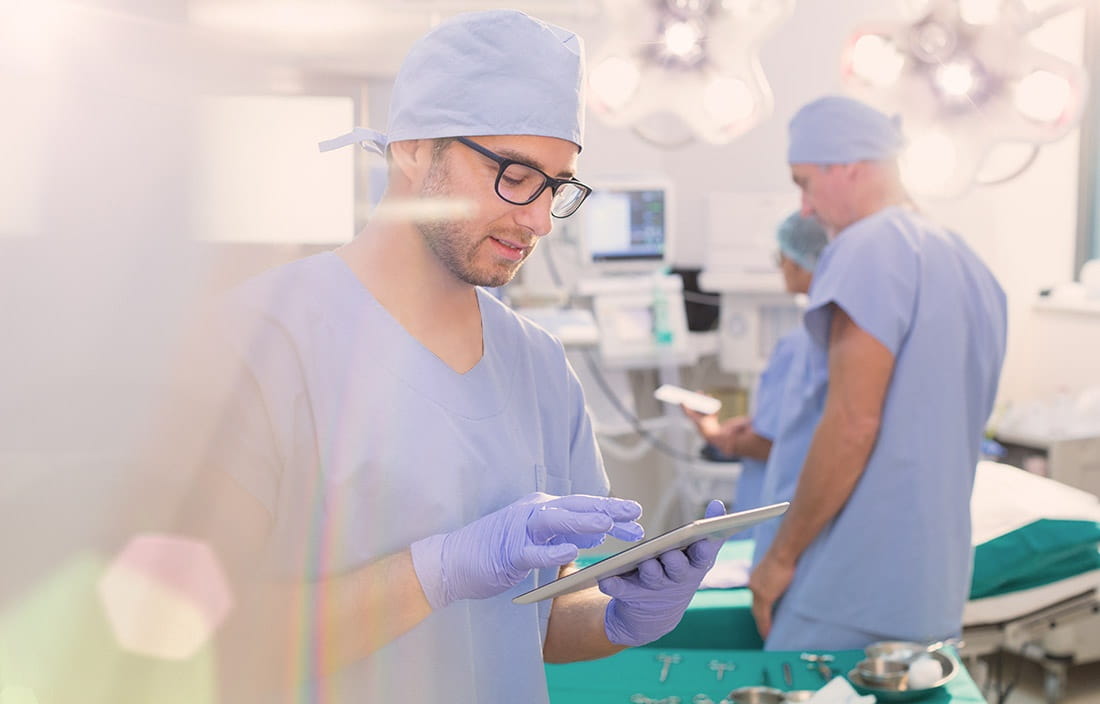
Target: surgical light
956	79
1043	96
676	70
728	100
613	81
968	81
682	40
979	11
875	59
933	42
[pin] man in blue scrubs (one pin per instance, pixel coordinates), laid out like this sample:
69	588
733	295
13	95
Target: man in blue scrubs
402	454
801	240
879	454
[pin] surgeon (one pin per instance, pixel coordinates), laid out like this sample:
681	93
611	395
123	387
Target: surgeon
401	454
878	456
801	240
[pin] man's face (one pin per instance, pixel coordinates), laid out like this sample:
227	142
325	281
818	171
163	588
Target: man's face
823	194
489	248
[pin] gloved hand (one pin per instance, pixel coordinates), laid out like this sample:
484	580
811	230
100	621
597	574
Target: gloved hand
497	551
648	603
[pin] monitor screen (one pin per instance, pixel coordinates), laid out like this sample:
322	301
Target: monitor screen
626	227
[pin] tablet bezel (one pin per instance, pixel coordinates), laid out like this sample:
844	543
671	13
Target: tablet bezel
718	527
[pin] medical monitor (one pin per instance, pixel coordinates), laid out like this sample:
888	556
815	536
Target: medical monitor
625	227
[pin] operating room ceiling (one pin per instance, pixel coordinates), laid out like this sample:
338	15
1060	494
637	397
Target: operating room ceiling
347	37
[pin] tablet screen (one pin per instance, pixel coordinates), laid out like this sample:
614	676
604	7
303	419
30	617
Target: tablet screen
720	527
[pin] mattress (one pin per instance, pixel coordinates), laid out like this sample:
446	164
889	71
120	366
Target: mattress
1002	608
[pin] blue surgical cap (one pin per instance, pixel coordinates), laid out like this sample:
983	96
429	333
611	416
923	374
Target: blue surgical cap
801	240
496	72
839	130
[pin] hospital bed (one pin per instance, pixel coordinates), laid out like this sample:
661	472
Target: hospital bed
1035	592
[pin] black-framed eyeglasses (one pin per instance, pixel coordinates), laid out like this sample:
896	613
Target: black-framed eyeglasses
519	184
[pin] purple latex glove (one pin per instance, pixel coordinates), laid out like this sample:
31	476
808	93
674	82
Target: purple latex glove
497	551
648	602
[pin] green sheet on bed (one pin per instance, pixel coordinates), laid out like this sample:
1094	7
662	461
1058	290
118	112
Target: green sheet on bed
1039	553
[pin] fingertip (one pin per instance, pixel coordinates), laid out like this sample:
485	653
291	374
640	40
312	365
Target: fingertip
715	508
630	532
564	553
610	585
626	510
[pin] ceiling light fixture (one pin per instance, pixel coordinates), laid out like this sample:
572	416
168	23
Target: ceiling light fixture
965	79
689	63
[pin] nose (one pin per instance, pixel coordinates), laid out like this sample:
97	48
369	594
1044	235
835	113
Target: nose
807	209
535	216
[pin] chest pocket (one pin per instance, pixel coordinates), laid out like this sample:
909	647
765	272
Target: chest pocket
553	484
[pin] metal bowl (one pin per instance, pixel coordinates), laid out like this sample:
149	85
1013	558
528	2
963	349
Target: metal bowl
880	672
950	669
756	695
798	695
901	650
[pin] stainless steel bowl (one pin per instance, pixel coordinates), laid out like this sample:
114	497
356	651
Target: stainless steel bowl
798	695
902	650
756	695
950	670
888	674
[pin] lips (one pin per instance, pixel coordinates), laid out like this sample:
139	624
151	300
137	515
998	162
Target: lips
510	243
513	251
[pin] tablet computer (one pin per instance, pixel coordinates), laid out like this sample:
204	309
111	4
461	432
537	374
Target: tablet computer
720	527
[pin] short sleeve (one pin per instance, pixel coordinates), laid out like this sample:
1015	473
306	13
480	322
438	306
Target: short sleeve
586	463
258	408
872	272
769	391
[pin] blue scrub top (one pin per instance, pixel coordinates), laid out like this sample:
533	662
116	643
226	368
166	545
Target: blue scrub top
896	560
766	413
360	441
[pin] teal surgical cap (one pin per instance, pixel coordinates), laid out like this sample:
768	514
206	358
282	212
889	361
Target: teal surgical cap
801	240
839	130
496	72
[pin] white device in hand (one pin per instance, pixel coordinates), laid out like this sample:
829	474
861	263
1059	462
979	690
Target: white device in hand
719	527
695	401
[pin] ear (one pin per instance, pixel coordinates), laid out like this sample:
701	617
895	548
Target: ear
411	158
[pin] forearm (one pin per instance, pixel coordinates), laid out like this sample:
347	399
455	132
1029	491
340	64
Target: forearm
749	444
860	368
834	463
576	629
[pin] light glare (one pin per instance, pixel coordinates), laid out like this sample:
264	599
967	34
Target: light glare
876	60
1042	96
614	81
956	79
728	100
681	39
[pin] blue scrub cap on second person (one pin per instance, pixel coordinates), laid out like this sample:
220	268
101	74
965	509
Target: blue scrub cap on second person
801	240
496	72
840	130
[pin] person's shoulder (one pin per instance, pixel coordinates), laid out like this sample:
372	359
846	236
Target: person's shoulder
520	326
285	282
283	301
892	233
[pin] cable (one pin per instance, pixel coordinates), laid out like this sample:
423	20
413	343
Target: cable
632	419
